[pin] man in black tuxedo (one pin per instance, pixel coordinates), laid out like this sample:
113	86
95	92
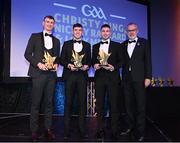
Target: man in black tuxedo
43	79
107	79
75	76
137	72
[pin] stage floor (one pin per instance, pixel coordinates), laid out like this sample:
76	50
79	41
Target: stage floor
15	127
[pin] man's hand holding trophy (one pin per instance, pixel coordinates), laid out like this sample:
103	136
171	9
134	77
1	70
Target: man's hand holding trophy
77	62
103	60
48	63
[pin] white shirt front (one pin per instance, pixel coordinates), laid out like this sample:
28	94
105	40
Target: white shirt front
131	47
105	47
48	43
77	47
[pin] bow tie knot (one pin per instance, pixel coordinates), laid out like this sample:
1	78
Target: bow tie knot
133	41
105	42
77	41
50	35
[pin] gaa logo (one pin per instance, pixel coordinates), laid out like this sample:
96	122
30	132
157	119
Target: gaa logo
93	11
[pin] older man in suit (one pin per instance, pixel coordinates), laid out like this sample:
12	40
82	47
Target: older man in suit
137	72
43	77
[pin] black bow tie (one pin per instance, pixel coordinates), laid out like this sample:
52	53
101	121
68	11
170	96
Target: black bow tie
134	41
75	41
106	42
50	35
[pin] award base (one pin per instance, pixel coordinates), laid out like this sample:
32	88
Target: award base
103	65
51	69
78	67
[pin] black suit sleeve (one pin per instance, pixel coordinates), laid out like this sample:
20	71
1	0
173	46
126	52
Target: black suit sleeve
57	61
120	58
63	56
94	55
30	51
88	61
148	64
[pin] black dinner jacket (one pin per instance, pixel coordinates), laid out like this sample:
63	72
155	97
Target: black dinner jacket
34	53
66	57
115	59
140	61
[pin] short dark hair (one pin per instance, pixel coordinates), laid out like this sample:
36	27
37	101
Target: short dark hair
77	25
105	25
49	16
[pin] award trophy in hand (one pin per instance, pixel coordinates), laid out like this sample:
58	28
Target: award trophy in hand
49	61
77	59
103	58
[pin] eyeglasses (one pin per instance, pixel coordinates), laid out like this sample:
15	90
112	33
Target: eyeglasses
133	30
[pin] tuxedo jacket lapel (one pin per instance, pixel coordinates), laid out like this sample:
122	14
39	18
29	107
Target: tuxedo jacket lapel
126	50
110	47
42	41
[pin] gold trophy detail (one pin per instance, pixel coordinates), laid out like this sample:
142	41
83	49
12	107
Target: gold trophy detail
161	82
170	82
49	61
103	57
77	59
153	82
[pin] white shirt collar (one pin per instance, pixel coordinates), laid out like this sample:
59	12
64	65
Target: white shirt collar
106	40
44	31
134	39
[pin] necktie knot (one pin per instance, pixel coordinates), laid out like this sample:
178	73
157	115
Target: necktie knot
50	35
77	41
105	42
133	41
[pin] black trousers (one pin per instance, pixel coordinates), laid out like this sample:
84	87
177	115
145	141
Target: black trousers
105	86
76	83
135	103
42	90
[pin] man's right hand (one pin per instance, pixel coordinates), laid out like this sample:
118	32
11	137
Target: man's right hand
42	66
97	66
72	67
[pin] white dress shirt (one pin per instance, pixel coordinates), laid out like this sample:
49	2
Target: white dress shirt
131	47
77	47
105	47
48	44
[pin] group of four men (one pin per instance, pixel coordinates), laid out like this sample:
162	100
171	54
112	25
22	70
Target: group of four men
133	56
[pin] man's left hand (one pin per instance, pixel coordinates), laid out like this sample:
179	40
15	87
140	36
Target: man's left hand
85	67
147	82
55	66
109	67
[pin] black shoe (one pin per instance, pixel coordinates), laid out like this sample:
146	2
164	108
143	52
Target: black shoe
83	136
49	135
34	136
115	137
100	135
66	137
125	132
140	139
